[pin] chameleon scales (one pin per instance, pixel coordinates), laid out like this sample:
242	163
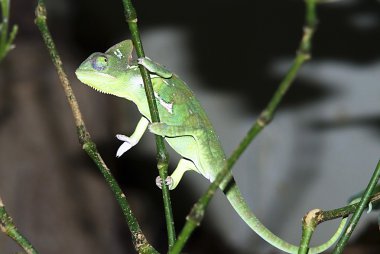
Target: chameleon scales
184	125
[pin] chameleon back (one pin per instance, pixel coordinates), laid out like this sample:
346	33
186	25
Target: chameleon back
201	144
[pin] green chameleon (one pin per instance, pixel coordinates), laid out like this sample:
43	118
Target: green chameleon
184	125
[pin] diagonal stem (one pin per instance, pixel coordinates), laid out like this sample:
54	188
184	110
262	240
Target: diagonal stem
303	54
140	242
8	227
196	214
358	212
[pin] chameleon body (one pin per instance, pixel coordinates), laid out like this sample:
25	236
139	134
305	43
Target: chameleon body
184	125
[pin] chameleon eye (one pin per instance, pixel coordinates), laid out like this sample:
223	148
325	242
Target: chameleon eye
99	63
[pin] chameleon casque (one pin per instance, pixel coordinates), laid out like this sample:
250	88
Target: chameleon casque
184	125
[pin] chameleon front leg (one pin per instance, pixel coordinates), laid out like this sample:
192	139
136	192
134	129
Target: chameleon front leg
155	68
173	180
129	142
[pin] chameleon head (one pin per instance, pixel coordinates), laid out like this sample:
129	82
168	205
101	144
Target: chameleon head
104	71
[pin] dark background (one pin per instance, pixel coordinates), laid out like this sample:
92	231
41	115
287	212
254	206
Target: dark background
56	195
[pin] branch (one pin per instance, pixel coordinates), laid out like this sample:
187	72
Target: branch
8	227
140	242
346	210
303	54
162	155
309	223
5	40
315	217
196	214
358	212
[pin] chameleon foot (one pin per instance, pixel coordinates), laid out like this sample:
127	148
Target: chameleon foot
168	182
128	144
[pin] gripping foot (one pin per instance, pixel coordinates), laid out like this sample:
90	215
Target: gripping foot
168	182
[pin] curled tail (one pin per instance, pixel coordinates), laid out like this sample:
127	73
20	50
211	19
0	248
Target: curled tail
241	207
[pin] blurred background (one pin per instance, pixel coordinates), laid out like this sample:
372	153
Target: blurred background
321	148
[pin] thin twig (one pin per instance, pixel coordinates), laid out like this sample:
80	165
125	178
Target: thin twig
346	210
140	242
162	155
8	227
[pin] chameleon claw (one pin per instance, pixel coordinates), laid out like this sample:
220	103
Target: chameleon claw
122	149
168	182
122	137
159	182
128	144
370	206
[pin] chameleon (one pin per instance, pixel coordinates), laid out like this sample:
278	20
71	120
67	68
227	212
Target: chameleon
184	125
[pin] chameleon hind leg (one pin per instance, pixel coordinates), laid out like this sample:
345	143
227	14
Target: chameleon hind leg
184	165
173	180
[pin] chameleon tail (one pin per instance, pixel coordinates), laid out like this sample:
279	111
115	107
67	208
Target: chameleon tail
237	201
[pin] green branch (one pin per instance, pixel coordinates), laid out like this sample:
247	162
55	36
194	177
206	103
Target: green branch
162	155
303	54
8	227
347	210
140	242
358	212
317	216
309	223
196	214
5	40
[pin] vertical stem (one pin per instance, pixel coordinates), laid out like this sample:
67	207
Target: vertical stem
162	155
5	38
358	212
196	214
309	223
4	25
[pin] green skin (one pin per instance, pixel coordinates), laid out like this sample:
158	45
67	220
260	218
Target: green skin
184	125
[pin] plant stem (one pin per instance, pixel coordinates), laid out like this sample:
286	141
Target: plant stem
347	210
309	223
4	27
303	54
138	238
8	227
358	212
5	42
196	214
317	216
162	155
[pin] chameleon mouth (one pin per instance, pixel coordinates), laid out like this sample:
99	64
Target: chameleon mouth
96	80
